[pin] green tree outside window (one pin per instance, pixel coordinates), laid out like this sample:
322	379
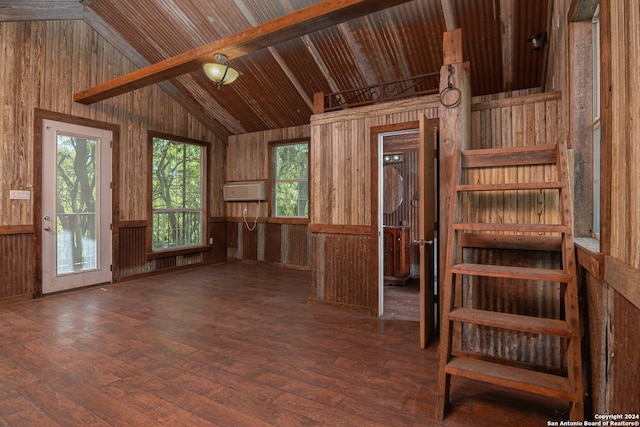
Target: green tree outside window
291	186
177	194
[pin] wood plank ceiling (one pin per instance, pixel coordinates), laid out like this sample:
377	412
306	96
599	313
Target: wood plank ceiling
276	84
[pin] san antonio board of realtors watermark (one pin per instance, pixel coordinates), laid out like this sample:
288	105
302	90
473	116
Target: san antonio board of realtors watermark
602	420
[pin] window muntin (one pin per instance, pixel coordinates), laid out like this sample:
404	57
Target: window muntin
291	179
177	194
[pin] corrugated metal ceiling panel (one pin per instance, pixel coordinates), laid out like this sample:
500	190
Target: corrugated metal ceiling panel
276	85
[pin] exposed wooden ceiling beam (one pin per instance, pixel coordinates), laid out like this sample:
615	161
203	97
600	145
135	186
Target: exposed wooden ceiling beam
308	20
224	123
12	10
278	58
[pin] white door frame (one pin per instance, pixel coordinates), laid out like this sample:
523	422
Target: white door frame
381	137
52	280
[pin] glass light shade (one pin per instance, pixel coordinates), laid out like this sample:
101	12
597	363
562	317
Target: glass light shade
220	73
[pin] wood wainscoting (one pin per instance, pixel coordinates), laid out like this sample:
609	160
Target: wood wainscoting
281	242
134	258
343	268
17	258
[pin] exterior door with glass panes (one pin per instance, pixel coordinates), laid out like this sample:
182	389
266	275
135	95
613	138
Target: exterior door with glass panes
76	206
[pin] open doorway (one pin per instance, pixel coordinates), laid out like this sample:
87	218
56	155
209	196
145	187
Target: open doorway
405	206
399	213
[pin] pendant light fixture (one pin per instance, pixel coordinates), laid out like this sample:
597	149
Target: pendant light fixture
219	72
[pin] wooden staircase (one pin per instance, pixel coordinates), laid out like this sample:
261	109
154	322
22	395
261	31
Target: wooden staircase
455	360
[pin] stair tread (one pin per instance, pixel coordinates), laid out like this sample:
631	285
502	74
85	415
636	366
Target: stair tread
514	322
510	156
511	377
531	242
507	186
488	226
523	273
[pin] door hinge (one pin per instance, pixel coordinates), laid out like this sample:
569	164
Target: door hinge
110	144
111	267
110	226
435	154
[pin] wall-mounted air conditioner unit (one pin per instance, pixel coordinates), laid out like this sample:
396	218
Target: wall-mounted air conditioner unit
244	191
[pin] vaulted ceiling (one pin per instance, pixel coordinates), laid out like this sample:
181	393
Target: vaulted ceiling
277	83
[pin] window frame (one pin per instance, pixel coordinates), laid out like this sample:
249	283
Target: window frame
273	145
204	188
596	129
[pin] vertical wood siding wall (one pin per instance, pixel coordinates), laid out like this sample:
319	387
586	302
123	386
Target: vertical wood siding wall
43	64
625	128
622	272
522	121
274	240
611	274
341	152
614	296
341	190
16	266
248	160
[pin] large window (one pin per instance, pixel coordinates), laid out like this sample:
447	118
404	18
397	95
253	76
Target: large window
290	162
177	193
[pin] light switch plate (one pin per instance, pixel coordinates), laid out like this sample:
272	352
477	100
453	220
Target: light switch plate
20	195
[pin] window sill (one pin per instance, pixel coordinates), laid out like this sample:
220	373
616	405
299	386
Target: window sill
176	252
288	220
590	257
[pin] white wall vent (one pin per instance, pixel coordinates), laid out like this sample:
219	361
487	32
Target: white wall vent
243	191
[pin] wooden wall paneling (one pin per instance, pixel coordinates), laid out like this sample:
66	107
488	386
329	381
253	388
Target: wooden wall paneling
606	126
273	243
218	231
248	160
625	347
504	123
581	123
619	165
164	263
250	242
233	240
44	62
133	250
530	298
296	245
596	329
496	122
16	267
217	178
633	150
342	158
342	275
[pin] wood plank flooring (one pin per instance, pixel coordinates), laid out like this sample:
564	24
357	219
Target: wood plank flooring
228	345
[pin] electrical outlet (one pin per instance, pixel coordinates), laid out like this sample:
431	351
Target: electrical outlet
244	212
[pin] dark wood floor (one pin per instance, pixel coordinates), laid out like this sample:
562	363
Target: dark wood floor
227	345
402	302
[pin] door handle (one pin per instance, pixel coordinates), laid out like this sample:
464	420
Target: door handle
47	228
